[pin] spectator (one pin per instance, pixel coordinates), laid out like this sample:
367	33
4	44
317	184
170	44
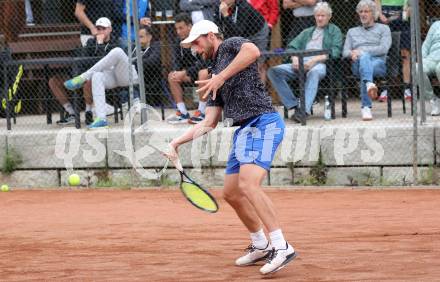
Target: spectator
29	14
88	11
187	68
431	64
144	19
322	36
151	60
113	71
302	11
392	13
95	47
199	9
238	18
367	46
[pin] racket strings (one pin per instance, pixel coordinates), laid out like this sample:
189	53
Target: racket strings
198	197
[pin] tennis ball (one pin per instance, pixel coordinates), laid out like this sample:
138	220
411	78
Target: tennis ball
5	188
74	180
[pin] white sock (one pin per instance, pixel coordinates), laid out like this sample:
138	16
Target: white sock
202	107
259	239
68	107
277	239
89	107
182	108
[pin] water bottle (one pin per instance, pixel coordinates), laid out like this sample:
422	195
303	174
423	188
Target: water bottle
327	110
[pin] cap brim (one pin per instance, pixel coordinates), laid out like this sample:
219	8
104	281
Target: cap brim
186	43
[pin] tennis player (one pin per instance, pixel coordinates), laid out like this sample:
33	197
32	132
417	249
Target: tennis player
235	86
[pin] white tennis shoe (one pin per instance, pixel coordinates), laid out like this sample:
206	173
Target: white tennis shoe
278	259
253	255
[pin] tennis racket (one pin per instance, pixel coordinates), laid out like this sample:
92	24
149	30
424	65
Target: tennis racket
193	192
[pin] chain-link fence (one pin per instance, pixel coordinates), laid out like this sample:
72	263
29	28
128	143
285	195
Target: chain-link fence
65	63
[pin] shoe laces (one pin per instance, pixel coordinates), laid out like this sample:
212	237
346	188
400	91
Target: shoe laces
251	248
272	254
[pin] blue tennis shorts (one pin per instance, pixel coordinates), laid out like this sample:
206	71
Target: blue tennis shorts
256	142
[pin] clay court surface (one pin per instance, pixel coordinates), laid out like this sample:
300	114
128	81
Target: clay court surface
340	235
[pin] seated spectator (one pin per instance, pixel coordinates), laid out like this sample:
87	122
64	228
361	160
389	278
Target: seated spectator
367	47
302	11
95	47
394	13
199	9
143	17
88	11
113	71
322	36
29	14
151	61
431	64
187	68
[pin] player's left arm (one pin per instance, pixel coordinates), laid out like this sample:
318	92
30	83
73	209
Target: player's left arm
248	54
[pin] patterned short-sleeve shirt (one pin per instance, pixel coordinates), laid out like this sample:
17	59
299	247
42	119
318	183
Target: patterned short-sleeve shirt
242	96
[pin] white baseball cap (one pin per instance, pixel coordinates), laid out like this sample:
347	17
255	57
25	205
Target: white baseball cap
104	22
200	28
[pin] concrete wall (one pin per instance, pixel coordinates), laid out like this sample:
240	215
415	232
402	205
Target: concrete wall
351	156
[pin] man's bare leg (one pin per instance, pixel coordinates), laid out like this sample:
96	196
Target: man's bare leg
56	85
175	80
260	247
239	202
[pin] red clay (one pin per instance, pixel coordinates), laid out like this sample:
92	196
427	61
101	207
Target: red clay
340	235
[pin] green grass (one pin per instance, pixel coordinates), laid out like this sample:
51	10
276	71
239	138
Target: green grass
11	161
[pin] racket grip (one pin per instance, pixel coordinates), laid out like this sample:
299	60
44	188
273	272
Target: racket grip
178	164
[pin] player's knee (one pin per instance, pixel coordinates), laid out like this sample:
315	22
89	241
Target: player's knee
232	196
228	196
245	185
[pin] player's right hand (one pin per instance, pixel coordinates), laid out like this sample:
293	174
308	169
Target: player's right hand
172	155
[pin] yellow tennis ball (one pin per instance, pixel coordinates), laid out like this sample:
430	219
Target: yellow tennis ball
5	188
74	180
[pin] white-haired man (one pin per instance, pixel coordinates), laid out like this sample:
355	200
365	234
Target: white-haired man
323	35
236	87
367	46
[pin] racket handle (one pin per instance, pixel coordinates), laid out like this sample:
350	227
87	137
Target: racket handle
178	164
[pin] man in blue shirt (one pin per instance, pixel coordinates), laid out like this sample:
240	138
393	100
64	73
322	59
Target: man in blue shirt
143	17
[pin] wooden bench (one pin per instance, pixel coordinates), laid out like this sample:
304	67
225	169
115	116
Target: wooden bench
33	85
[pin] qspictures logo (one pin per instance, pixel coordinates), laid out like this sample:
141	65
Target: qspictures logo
140	144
